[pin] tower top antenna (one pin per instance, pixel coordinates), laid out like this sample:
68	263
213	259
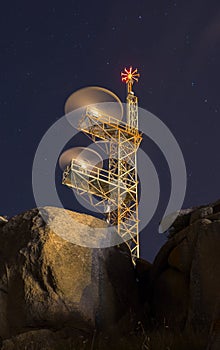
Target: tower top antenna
129	76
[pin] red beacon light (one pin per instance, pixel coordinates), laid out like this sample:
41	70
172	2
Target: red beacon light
130	75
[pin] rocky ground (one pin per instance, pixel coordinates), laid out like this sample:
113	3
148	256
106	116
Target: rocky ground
55	294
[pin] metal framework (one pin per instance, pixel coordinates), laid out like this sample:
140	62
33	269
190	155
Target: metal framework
117	187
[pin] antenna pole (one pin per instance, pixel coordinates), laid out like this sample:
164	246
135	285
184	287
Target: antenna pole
117	187
129	76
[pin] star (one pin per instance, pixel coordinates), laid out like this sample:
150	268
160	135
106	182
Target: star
187	40
51	36
29	74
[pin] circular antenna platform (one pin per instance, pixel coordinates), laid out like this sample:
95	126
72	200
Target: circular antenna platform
84	157
99	98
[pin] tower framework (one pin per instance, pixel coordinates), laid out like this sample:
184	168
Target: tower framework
117	186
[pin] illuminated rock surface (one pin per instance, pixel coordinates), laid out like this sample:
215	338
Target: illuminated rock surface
48	283
55	294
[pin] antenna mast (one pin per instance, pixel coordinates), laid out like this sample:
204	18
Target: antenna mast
116	187
129	76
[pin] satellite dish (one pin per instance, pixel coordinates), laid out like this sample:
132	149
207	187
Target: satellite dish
100	98
84	157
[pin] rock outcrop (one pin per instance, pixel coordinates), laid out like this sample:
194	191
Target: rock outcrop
50	284
57	294
182	286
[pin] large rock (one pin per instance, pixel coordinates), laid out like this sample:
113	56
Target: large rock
48	282
184	278
57	294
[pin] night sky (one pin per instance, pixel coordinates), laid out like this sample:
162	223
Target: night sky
50	49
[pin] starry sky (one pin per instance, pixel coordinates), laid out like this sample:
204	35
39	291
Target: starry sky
50	49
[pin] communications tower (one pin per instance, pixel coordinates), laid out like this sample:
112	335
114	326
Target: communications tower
117	186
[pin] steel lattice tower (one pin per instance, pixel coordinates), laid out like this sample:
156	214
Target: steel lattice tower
116	187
